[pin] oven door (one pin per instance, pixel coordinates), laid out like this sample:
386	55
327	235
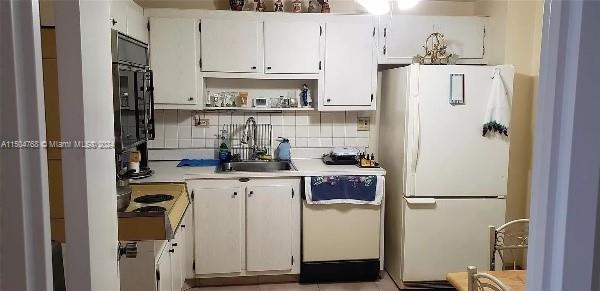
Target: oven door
149	102
132	107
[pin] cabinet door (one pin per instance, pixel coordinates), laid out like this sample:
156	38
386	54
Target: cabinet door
177	256
218	230
464	35
187	227
269	228
136	21
292	47
174	59
405	36
350	62
118	15
163	272
231	45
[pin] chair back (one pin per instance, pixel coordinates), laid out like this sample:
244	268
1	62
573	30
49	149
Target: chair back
483	281
508	241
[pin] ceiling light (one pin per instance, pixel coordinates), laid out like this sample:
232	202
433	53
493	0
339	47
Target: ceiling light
406	4
377	7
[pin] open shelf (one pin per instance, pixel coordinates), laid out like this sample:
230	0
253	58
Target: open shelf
268	109
260	76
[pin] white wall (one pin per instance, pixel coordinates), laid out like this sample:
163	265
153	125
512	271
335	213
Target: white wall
565	219
514	37
86	107
25	219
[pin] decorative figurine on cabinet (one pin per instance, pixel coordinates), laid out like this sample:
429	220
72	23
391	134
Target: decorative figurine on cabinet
259	5
313	6
248	6
278	6
297	6
236	5
435	51
305	96
325	6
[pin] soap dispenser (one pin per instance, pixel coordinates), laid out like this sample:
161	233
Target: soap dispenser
224	152
284	149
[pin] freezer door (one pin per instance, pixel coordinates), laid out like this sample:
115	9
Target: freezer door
454	159
447	235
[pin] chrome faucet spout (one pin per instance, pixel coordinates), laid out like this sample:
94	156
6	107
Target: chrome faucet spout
250	133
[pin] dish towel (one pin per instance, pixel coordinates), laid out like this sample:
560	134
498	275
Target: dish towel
197	163
497	114
344	189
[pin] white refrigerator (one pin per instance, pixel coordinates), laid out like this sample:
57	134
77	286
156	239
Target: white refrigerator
446	183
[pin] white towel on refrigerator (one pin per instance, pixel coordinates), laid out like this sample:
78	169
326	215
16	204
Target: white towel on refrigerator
497	114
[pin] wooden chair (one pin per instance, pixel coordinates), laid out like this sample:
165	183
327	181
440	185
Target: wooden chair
483	281
508	238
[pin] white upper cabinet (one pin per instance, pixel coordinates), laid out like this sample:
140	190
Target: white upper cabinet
465	36
231	45
350	69
292	47
269	227
118	15
128	18
174	59
137	23
402	37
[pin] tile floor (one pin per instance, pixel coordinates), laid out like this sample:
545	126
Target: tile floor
385	284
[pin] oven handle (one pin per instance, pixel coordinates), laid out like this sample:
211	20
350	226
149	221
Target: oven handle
151	127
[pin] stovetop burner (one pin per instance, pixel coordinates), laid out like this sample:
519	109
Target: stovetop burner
153	198
151	208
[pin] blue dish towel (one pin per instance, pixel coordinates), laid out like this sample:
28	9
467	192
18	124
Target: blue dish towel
344	189
197	163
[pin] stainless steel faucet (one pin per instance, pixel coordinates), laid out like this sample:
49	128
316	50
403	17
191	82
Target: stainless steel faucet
246	135
250	133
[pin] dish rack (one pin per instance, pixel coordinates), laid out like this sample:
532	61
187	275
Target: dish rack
235	132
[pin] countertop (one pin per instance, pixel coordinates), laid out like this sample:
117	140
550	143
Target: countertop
168	172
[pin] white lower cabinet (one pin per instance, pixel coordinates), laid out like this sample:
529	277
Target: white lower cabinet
268	225
160	265
246	227
218	229
164	275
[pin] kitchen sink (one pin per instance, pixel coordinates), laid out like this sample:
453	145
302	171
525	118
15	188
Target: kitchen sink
257	166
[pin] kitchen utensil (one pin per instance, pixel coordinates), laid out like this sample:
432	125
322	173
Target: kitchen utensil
123	197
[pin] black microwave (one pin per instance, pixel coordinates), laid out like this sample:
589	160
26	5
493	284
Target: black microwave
133	98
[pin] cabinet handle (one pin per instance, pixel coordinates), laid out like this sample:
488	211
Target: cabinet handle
234	194
174	244
268	68
253	67
113	21
328	100
171	251
251	193
183	226
191	99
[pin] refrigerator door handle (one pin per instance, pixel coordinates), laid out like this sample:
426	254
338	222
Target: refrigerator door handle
420	201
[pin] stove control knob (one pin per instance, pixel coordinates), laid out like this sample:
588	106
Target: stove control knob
130	250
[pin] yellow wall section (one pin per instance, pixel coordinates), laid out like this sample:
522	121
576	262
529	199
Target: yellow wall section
514	37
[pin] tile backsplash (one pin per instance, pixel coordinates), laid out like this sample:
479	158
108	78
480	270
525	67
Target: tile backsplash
309	132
